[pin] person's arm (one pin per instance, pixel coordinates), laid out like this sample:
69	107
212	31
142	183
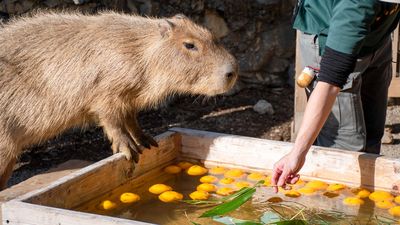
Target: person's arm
316	113
350	23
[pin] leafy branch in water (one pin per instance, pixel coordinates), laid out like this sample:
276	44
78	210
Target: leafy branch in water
232	202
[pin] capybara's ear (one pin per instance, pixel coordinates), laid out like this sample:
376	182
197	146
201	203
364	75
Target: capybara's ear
166	26
180	16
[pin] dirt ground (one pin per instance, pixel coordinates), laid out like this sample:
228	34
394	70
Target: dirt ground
226	114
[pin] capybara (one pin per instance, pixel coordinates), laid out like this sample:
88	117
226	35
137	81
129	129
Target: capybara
63	70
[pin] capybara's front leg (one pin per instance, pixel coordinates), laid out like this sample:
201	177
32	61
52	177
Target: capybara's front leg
120	138
8	157
140	138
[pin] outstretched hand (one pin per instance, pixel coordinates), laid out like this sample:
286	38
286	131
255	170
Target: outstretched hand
286	169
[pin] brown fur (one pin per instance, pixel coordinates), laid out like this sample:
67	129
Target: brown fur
59	71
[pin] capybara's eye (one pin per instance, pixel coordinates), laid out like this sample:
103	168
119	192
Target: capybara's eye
190	46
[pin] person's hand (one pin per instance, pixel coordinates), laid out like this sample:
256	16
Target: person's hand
286	169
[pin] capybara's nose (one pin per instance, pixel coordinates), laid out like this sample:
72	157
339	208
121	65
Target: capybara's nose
230	75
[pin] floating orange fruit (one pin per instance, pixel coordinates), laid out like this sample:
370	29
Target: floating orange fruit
234	173
199	195
397	199
353	201
207	187
395	211
384	204
225	191
336	187
108	205
170	196
159	188
218	170
172	169
196	170
317	185
208	179
185	165
242	184
361	192
306	190
292	194
299	182
128	197
227	180
381	195
256	176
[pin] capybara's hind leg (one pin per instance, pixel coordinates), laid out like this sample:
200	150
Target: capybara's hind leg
7	162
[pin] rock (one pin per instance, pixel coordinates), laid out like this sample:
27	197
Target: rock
262	107
131	6
78	2
387	136
268	2
216	24
277	65
54	3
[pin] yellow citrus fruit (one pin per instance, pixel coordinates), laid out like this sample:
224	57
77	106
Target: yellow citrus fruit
242	184
292	194
172	169
107	205
234	173
384	204
306	190
317	185
128	197
218	170
207	187
361	192
256	176
381	195
170	196
225	191
196	170
395	211
227	180
185	165
208	179
267	182
199	195
336	187
353	201
299	182
159	188
397	199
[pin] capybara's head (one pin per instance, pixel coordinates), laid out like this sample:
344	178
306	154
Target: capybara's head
193	59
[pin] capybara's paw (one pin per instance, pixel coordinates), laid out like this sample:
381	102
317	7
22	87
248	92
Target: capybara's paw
126	146
146	141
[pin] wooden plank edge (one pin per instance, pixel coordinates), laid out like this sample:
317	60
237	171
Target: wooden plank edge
22	213
362	169
117	159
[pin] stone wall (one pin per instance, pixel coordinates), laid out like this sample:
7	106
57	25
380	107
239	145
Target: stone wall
257	32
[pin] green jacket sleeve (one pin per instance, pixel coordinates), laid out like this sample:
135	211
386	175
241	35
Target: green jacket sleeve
350	23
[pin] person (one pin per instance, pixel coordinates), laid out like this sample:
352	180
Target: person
348	44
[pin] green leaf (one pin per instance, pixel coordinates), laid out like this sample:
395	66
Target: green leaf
270	217
290	222
231	205
227	220
200	202
194	223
